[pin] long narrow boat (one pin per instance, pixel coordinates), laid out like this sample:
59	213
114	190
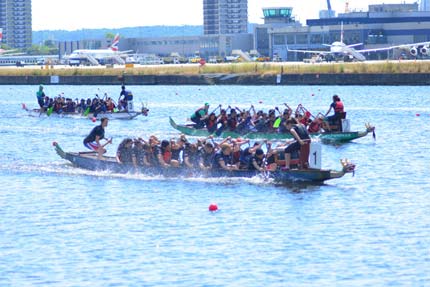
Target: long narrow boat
328	137
89	161
111	116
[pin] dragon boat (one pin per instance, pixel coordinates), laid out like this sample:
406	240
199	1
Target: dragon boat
327	137
89	161
122	115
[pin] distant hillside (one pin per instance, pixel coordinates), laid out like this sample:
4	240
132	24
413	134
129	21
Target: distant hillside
129	32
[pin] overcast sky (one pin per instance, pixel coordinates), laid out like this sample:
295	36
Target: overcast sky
79	14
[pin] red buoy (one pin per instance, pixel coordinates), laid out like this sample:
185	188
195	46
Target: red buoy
93	119
418	115
213	207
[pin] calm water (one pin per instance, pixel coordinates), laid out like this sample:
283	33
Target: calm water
62	226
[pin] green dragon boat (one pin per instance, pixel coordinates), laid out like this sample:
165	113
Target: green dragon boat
326	137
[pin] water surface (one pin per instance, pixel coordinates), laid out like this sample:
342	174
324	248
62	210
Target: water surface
62	226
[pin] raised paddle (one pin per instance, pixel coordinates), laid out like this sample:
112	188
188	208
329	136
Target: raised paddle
219	106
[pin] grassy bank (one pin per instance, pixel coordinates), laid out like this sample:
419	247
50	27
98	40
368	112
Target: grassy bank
392	67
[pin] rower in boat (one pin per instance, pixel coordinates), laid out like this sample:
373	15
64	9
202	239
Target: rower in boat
223	159
125	153
40	95
302	138
334	121
199	116
139	153
257	161
92	141
125	100
211	123
207	155
177	147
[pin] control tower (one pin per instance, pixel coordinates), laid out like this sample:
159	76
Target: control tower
278	15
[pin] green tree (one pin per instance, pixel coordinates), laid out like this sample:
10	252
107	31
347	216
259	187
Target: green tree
50	49
110	35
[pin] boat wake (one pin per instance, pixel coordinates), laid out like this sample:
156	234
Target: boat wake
60	168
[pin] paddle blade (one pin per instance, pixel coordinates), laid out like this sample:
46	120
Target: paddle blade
87	111
50	110
277	123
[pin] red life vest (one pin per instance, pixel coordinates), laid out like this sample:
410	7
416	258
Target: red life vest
110	106
338	107
304	121
314	126
167	156
236	156
210	123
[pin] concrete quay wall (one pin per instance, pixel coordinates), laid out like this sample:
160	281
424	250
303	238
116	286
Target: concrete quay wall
226	79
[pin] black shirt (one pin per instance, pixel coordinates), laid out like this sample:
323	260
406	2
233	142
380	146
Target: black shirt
302	132
97	131
125	154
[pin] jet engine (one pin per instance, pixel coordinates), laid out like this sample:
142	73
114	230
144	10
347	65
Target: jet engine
425	50
413	51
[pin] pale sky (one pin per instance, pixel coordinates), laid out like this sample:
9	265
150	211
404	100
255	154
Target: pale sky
80	14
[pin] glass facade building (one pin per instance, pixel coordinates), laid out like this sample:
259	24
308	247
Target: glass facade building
16	21
225	17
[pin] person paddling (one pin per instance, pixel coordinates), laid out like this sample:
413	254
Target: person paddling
126	99
41	98
92	141
301	136
338	108
199	116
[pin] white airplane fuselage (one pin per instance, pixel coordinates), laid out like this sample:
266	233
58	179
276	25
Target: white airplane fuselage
97	54
340	48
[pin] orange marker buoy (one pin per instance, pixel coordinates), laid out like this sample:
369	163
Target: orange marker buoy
418	115
213	207
93	119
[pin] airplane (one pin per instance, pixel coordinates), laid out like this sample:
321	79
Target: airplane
99	56
349	53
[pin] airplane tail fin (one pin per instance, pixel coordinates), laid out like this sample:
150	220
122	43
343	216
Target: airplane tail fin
114	46
341	32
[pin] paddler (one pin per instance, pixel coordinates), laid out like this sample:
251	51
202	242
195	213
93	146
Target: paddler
199	116
40	97
301	136
127	101
339	111
92	141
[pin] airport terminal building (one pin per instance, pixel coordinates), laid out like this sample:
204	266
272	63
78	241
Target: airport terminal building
383	25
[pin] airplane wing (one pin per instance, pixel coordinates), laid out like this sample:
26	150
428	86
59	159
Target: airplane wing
310	52
404	46
125	52
354	45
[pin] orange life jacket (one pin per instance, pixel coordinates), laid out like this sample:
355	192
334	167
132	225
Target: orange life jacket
338	107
